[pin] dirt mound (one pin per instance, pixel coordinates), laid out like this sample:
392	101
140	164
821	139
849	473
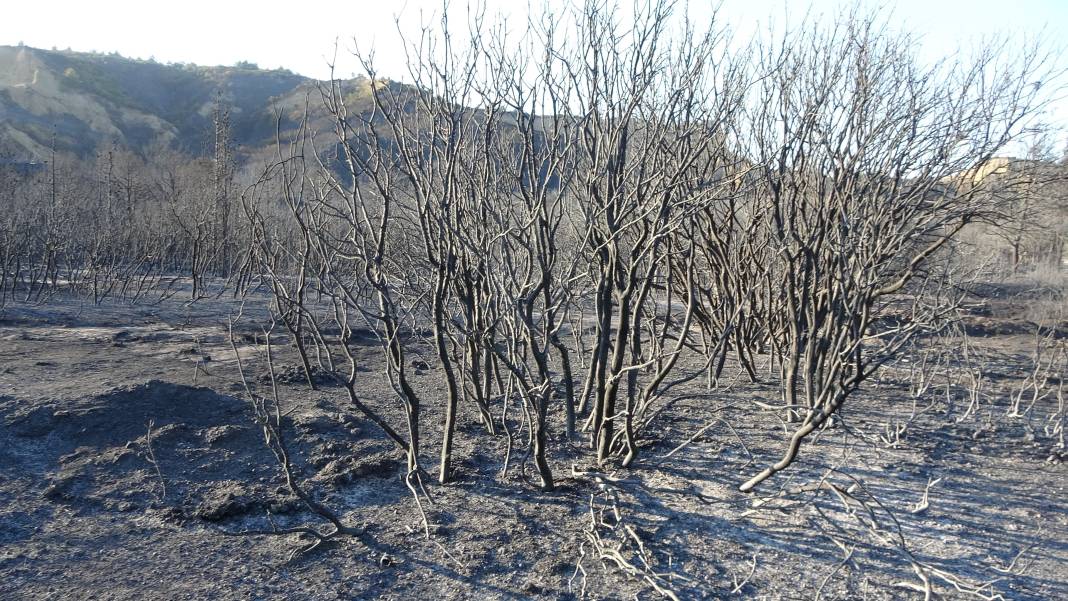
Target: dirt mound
123	414
187	450
294	374
988	327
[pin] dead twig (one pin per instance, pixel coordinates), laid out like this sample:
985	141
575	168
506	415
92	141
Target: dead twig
152	459
925	502
739	585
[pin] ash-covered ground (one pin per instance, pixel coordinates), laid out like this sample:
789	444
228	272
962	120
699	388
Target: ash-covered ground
131	468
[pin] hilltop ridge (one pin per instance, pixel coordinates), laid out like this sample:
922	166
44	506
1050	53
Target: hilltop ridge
88	99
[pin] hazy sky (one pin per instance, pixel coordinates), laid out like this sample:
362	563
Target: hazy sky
299	35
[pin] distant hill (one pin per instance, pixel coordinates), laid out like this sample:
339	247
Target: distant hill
93	99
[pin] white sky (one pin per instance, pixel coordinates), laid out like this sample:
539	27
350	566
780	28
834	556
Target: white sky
299	35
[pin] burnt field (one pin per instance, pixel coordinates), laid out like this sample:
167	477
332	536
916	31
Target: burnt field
597	308
133	467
